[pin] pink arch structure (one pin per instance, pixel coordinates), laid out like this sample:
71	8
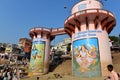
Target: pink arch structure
88	26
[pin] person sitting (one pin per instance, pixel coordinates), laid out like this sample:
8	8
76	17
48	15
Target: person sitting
113	75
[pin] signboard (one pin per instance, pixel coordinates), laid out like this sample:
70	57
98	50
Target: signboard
86	57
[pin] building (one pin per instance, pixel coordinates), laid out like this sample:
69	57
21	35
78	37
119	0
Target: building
25	44
9	48
64	45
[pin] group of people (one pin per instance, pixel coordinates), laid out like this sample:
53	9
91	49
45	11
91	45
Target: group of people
9	74
4	56
9	69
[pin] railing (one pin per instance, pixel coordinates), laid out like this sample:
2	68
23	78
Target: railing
53	31
40	28
88	11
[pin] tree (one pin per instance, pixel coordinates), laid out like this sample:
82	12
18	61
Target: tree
115	39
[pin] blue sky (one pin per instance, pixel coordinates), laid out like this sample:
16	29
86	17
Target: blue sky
17	17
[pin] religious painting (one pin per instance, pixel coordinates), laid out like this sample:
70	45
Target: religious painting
37	56
86	57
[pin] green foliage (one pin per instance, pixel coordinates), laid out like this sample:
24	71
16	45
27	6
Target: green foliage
115	39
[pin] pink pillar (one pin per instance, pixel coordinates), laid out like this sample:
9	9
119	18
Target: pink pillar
39	62
89	26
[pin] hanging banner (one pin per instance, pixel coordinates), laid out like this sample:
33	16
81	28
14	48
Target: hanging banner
86	57
37	56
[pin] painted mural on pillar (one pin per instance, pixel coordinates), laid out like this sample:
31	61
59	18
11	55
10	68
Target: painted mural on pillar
37	56
86	58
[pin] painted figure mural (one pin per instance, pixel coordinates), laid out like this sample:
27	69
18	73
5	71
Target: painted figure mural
86	57
37	56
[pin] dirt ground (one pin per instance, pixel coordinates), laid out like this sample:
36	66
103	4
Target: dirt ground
64	71
116	61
